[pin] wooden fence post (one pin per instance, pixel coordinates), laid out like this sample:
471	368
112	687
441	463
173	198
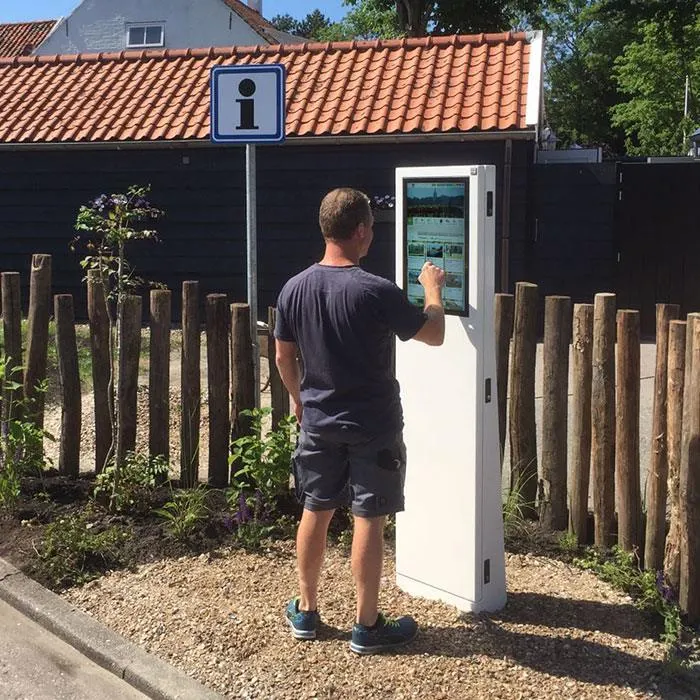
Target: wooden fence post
627	431
690	493
523	429
159	374
243	371
657	487
12	338
603	418
218	376
674	430
38	334
69	380
582	370
555	411
279	397
191	385
101	369
127	389
504	310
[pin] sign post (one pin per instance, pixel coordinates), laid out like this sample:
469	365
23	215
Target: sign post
247	107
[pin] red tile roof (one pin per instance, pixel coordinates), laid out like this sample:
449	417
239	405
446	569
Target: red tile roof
420	86
21	38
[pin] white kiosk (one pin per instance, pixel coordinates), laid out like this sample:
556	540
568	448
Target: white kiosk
449	540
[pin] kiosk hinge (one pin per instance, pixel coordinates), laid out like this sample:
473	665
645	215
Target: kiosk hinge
487	390
487	571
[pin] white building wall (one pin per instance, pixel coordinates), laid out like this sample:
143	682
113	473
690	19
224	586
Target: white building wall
101	25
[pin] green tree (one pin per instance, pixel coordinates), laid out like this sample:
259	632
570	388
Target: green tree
652	73
312	26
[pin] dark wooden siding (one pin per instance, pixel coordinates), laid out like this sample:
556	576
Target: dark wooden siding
658	223
202	191
573	246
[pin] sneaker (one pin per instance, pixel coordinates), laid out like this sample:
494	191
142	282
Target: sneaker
302	622
387	633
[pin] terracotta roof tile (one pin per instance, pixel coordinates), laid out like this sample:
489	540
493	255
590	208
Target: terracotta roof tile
428	85
21	38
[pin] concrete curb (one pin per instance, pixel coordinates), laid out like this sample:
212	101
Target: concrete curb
143	671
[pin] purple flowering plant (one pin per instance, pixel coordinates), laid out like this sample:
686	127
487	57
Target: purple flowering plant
109	223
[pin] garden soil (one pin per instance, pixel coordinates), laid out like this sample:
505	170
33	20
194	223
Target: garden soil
219	617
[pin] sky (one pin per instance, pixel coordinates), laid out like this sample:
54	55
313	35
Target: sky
29	10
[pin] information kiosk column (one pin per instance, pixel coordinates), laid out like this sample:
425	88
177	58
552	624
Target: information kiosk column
449	540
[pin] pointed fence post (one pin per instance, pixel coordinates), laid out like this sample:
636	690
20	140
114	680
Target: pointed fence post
69	380
627	431
159	374
523	429
674	430
218	381
555	411
191	385
38	335
504	311
603	418
242	370
12	338
657	478
127	389
101	368
582	371
690	493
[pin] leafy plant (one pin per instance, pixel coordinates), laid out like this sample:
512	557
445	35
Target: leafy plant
185	512
21	440
253	522
516	507
647	589
264	459
72	552
112	221
129	488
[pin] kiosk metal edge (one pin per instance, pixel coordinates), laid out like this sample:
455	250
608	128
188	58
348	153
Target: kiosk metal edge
449	538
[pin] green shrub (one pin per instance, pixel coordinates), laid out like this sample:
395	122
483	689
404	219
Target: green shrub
263	460
185	512
72	553
129	487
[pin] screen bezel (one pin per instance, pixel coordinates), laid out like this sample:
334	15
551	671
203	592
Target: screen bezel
461	180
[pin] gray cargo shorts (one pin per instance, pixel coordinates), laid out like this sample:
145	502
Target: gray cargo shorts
367	475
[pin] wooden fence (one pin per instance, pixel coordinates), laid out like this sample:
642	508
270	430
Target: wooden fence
230	374
603	436
603	441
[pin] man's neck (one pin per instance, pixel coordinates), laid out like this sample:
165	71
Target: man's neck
337	255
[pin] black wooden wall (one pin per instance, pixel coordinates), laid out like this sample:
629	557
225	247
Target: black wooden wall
202	191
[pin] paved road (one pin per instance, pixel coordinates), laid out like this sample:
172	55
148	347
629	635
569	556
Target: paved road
36	665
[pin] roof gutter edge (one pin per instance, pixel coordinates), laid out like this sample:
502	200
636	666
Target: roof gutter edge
519	135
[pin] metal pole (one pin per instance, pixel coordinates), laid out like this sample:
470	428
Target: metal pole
252	261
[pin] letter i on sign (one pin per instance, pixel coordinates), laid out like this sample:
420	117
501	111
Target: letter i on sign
247	105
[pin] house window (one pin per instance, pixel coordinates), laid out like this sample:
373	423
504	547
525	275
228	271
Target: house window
144	35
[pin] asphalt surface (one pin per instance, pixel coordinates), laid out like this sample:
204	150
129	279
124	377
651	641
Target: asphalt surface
37	665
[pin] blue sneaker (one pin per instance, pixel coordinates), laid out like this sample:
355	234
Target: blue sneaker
387	633
302	623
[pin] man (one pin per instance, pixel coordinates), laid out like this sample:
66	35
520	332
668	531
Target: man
338	321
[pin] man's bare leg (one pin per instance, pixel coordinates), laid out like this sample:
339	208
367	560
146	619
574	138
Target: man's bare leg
311	547
367	561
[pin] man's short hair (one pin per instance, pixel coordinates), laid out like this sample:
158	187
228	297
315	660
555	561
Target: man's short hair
342	211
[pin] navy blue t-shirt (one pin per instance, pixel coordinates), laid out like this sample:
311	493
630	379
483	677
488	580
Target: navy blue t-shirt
343	320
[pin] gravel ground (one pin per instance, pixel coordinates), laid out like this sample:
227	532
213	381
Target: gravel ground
218	617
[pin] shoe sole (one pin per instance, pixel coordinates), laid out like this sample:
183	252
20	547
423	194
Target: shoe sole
300	634
379	648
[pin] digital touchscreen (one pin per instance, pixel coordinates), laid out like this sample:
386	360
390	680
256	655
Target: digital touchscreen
435	228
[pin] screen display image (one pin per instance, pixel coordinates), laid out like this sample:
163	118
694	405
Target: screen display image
435	227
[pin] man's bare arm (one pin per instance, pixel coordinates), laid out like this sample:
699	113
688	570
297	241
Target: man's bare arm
433	331
288	366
